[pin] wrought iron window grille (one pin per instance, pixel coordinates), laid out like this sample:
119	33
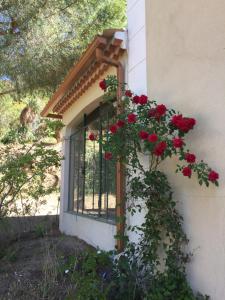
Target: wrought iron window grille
92	180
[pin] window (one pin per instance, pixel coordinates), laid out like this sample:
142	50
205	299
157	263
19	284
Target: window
92	178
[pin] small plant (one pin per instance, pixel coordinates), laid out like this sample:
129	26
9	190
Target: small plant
126	276
50	273
2	252
8	253
90	272
11	255
40	230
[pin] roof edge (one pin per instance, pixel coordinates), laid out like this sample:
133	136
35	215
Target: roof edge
100	41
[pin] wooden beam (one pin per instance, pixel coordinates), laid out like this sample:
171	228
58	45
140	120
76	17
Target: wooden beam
54	116
120	172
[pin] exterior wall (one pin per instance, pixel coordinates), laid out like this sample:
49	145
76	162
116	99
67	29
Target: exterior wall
136	70
186	70
96	233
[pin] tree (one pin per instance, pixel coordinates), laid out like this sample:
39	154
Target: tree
9	110
40	40
23	172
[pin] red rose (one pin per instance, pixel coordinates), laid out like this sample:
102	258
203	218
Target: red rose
157	112
152	138
132	118
120	123
103	84
136	99
152	112
92	136
108	155
176	119
183	124
213	176
128	93
177	142
143	100
160	148
191	122
143	135
161	110
113	128
187	171
190	158
186	124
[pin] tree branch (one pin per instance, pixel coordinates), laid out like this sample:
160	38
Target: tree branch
8	92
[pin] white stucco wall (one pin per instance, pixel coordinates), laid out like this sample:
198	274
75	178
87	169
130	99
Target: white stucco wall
136	71
186	70
137	67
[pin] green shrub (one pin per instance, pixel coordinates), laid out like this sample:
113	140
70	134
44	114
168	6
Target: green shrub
22	177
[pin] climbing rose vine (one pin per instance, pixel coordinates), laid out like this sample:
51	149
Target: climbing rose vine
142	136
157	131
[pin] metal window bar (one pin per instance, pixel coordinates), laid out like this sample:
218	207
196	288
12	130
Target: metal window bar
78	172
106	176
71	184
93	180
100	167
84	160
73	170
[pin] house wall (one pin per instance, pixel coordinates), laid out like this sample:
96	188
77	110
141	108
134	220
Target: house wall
137	67
136	72
96	233
186	70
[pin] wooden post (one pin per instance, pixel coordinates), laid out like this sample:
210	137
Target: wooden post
120	174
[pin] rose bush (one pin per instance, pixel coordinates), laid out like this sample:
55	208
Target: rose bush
162	130
158	132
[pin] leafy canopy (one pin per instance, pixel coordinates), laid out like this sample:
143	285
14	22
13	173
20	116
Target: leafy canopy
41	39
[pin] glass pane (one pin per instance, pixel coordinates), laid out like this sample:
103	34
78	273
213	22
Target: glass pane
77	170
108	171
109	189
92	171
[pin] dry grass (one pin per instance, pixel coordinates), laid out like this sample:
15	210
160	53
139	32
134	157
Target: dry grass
32	268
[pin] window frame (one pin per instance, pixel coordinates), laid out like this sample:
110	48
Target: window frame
83	126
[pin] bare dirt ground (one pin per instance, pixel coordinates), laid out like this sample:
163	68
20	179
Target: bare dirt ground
34	267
